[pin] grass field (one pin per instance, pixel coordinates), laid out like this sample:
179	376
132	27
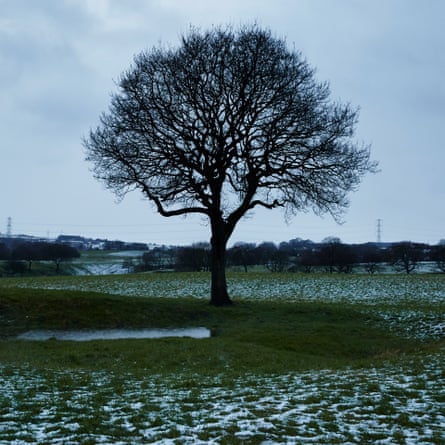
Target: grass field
298	359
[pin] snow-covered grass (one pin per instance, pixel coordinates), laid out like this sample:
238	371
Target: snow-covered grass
367	289
412	304
397	404
400	399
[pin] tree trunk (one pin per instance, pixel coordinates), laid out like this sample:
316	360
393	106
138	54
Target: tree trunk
219	294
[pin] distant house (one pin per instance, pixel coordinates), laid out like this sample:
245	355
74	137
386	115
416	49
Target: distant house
78	242
97	244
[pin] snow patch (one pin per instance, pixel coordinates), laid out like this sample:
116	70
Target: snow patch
397	403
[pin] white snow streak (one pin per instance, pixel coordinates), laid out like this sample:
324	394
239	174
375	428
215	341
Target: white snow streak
394	404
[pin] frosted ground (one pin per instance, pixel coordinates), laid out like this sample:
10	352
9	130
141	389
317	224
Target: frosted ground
408	303
369	289
397	404
402	402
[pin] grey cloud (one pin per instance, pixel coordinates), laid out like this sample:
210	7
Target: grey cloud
59	58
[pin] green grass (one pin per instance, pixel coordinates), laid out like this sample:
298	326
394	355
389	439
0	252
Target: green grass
295	362
263	336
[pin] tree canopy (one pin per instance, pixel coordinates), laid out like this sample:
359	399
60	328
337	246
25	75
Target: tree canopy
228	121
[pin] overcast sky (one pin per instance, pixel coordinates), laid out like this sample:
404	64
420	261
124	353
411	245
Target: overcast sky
59	60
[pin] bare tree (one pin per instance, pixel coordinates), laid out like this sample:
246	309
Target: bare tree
228	121
406	256
336	256
438	255
242	254
371	257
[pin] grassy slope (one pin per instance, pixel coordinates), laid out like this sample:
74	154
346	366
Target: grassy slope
250	336
220	390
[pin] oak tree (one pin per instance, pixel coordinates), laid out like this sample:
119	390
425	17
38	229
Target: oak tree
228	121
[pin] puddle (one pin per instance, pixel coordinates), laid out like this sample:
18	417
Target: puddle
114	334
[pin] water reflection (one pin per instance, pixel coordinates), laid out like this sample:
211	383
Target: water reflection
114	334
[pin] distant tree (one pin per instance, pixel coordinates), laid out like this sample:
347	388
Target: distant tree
326	254
136	246
264	252
308	260
371	257
159	258
405	256
5	253
59	253
331	240
287	248
242	254
128	264
438	255
336	256
269	255
301	244
42	251
229	121
28	252
279	261
14	267
150	260
114	245
193	258
301	254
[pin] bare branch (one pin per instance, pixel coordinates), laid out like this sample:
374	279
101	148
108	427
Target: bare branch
228	121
